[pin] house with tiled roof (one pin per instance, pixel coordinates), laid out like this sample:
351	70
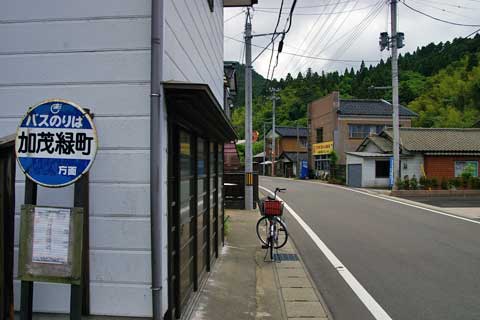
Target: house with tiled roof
290	149
431	152
342	124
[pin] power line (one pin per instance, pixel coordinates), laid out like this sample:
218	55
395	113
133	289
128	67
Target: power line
233	17
427	4
319	13
273	37
313	26
280	45
318	34
471	34
305	7
452	5
438	19
359	29
316	48
306	56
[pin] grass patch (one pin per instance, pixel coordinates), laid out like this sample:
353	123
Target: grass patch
227	225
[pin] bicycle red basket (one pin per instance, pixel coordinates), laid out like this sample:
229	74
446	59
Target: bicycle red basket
273	208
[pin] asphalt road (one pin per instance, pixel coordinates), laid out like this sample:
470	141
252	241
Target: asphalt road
416	264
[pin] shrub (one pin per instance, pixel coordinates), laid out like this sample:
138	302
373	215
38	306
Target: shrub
399	184
465	180
434	183
406	183
414	183
444	184
455	183
423	182
475	183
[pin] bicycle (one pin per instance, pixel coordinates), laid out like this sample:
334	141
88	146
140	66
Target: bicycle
271	229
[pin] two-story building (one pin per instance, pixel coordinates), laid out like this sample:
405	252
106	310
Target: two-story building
152	74
290	150
345	123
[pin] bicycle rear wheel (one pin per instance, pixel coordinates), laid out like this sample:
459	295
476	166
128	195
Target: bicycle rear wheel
281	234
263	230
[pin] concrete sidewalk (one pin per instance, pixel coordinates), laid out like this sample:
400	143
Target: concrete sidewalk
243	285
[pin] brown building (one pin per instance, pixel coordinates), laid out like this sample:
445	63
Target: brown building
288	141
346	122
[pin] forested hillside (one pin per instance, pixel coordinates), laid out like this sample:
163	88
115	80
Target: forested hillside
440	81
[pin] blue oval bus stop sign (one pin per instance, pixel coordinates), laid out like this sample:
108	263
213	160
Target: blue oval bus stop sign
56	143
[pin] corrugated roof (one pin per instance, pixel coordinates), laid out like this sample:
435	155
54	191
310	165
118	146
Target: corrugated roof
439	139
291	131
381	142
371	107
292	156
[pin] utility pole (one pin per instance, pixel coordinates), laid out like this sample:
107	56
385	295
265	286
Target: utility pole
396	117
264	142
248	114
274	100
395	42
298	146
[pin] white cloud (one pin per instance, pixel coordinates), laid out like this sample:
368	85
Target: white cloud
419	31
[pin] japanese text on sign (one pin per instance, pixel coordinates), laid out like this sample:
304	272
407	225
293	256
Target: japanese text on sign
59	142
322	148
51	233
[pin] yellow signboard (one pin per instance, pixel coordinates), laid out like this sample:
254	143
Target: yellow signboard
322	148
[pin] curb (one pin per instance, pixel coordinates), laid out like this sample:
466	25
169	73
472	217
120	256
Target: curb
325	313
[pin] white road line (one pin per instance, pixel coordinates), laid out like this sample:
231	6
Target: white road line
386	198
375	309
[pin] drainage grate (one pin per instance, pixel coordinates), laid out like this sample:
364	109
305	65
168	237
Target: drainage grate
286	256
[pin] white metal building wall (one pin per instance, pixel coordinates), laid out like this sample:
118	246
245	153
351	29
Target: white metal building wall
96	53
194	43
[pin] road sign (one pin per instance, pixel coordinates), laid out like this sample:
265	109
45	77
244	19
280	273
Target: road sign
56	143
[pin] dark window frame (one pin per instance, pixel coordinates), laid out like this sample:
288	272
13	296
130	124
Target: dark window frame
384	171
319	136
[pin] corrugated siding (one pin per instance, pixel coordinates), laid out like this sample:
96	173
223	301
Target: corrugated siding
194	43
96	53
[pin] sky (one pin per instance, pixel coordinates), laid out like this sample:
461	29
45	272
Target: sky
342	30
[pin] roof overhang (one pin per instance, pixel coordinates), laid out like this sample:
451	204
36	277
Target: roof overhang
8	141
196	105
239	3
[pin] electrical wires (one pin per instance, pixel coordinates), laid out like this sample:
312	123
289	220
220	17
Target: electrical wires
280	45
438	19
273	37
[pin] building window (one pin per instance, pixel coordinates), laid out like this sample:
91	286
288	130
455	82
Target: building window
462	167
303	142
382	169
361	131
210	4
319	135
322	163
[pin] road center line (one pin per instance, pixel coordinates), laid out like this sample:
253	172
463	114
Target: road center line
375	309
